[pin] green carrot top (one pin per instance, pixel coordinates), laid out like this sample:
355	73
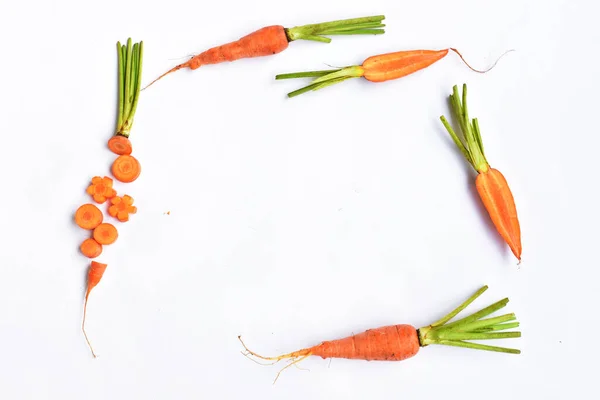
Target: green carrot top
355	26
472	147
130	78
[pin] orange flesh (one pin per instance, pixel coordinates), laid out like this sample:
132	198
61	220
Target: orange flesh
499	202
90	248
88	216
120	145
126	168
105	234
390	66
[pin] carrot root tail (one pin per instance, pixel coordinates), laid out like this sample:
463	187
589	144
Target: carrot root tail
83	326
477	70
176	68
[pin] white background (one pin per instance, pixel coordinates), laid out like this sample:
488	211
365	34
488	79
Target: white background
294	221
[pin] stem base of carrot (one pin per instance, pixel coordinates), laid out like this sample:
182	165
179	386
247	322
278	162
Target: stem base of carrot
355	26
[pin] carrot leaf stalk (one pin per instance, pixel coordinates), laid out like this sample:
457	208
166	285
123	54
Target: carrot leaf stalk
130	74
355	26
472	327
323	78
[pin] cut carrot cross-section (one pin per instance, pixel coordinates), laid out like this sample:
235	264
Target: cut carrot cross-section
105	233
122	207
90	248
88	216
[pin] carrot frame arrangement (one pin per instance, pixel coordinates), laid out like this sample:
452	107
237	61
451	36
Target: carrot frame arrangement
274	39
491	184
379	68
399	342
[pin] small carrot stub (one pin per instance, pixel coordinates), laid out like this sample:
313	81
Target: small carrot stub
120	145
130	57
126	168
90	248
88	216
101	189
379	68
491	184
274	39
95	273
400	342
105	233
121	208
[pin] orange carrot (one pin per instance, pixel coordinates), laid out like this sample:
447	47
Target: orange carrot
106	234
121	208
491	184
126	168
101	189
399	342
95	273
275	38
88	216
130	81
380	68
91	248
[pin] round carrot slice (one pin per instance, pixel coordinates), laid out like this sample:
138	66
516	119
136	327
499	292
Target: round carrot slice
126	168
106	233
88	216
90	248
120	145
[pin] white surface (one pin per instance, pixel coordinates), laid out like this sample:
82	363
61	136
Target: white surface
295	221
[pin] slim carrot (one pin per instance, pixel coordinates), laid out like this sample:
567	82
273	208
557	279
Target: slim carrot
95	273
130	59
88	216
380	68
101	189
105	234
491	184
275	38
399	342
126	168
121	208
90	248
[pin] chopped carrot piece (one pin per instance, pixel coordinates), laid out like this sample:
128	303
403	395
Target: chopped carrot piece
90	248
120	145
88	216
101	189
106	233
121	208
126	168
95	273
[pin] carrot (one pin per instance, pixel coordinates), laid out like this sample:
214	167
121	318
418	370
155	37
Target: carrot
126	168
106	234
130	59
101	189
490	183
121	208
90	248
399	342
380	68
95	273
275	38
88	216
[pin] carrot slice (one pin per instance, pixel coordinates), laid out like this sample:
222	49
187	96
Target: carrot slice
101	189
88	216
126	168
120	145
90	248
121	208
105	233
95	273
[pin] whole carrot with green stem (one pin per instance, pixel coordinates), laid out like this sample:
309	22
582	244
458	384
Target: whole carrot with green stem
379	68
274	39
400	342
130	58
491	184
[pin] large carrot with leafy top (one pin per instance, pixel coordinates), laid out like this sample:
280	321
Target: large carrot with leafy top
491	184
274	39
379	68
399	342
130	59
